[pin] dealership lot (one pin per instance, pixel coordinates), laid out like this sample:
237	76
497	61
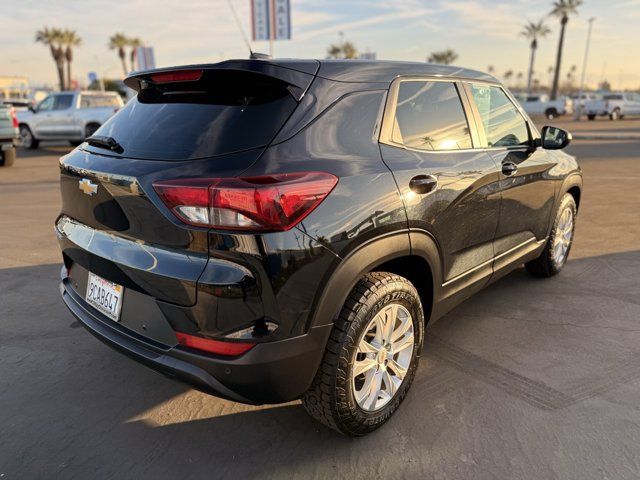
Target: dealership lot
529	379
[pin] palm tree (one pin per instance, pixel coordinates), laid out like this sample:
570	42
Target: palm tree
51	37
118	42
520	76
342	50
533	31
134	43
444	57
562	9
70	39
507	76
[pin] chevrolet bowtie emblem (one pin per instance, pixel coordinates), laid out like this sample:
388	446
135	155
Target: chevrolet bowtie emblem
87	186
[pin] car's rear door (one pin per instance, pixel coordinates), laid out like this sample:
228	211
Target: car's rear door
526	186
428	141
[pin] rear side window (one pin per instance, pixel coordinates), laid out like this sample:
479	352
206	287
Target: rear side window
223	112
429	116
95	101
612	97
503	123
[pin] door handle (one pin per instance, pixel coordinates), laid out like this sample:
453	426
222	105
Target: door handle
423	184
509	168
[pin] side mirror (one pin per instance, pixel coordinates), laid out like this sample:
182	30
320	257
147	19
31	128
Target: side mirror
553	138
32	109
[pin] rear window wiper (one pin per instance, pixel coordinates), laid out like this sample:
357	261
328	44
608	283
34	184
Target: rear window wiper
109	143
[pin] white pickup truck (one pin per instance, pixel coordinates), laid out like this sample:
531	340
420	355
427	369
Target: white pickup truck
614	105
71	116
541	105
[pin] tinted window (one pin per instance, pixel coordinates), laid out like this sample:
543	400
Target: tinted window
503	124
223	112
95	101
612	97
429	116
63	102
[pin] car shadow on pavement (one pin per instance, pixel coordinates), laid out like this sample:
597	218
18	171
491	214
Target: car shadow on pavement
523	355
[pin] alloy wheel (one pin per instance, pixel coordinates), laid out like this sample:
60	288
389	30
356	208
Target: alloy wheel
563	236
383	357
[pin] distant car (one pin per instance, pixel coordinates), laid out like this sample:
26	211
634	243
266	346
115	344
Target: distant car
8	135
71	116
580	100
614	105
541	105
20	104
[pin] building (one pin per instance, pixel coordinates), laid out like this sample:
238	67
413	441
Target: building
14	87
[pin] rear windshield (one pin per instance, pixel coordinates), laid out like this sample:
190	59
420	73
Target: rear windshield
223	112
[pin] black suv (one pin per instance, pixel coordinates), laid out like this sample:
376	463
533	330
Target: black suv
268	230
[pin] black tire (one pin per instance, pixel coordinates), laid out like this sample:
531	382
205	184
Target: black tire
7	157
330	399
547	265
551	113
591	118
27	140
615	114
90	129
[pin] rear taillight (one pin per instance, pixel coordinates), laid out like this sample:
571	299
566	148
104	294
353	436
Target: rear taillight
14	119
230	349
266	203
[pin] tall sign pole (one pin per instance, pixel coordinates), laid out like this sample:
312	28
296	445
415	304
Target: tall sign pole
578	112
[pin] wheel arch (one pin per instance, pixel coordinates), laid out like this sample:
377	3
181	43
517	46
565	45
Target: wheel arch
390	253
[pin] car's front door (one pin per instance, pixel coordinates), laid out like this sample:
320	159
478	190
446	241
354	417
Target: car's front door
449	188
527	187
40	121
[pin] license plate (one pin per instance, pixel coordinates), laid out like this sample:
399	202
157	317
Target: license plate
105	296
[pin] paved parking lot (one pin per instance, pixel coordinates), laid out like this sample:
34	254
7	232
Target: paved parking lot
529	379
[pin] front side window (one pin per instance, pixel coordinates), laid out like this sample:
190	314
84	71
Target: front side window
46	104
503	123
429	116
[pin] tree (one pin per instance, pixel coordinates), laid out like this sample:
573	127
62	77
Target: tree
51	37
562	9
70	39
507	76
444	57
605	86
134	43
342	50
520	76
118	42
533	31
491	69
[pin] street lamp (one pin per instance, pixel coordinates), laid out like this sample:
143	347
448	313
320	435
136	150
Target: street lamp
578	112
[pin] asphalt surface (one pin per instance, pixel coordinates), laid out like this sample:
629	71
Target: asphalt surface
532	379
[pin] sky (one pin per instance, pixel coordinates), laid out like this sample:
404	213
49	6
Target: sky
182	32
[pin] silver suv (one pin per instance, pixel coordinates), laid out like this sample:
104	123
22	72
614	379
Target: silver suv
70	116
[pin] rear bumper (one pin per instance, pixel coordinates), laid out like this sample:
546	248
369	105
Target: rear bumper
271	372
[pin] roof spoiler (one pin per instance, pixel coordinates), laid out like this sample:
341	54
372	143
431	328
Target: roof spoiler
298	78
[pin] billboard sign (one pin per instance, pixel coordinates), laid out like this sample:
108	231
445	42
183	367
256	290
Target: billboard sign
270	20
145	58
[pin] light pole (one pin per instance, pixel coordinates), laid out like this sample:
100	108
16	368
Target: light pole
578	112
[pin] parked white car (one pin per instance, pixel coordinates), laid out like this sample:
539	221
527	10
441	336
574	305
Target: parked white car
541	105
614	105
71	116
